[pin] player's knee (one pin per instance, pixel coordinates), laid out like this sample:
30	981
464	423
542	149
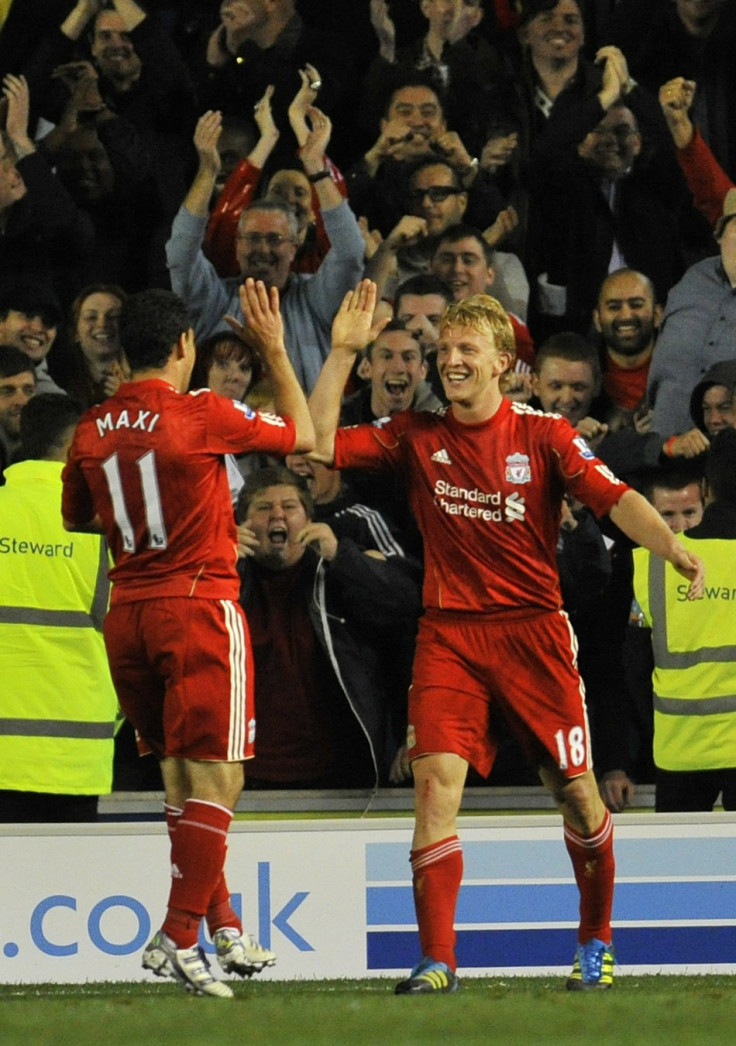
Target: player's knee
436	800
581	803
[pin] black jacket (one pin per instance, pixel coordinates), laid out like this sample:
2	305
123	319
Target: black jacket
356	602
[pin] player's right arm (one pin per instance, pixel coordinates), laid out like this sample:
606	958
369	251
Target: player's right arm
633	514
352	330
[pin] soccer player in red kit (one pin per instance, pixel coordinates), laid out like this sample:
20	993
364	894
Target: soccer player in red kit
485	479
147	469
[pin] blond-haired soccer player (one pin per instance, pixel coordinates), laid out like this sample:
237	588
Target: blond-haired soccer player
485	479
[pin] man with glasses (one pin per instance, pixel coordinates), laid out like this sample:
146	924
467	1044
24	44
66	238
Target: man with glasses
413	127
265	248
434	200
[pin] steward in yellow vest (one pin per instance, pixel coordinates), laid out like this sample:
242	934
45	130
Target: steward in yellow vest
694	645
57	703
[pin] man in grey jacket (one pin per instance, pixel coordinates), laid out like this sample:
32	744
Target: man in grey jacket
265	249
698	329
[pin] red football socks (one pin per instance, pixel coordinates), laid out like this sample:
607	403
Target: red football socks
219	911
594	867
198	847
438	871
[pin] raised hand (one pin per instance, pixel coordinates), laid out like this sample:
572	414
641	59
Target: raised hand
616	79
505	223
321	537
371	237
312	152
408	230
263	329
247	541
498	151
384	28
302	101
676	97
449	145
263	115
206	136
15	91
353	327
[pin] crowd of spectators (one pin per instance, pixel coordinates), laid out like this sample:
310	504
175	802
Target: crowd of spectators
573	158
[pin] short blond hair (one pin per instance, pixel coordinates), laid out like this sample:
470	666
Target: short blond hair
486	316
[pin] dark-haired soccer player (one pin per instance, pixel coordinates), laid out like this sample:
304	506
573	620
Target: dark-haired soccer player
485	479
147	469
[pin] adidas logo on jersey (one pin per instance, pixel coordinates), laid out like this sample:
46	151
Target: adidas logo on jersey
442	456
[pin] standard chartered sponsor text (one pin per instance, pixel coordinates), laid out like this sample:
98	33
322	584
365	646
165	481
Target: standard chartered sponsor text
470	502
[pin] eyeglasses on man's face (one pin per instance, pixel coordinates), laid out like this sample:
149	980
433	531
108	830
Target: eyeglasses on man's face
436	193
270	239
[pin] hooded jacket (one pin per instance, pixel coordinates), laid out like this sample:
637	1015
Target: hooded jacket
723	373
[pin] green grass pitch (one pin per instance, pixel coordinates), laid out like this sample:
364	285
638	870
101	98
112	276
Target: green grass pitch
639	1011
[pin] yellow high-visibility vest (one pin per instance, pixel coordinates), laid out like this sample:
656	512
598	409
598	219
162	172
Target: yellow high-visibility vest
57	702
694	645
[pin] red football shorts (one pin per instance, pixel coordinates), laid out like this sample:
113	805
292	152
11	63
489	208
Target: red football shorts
468	664
183	671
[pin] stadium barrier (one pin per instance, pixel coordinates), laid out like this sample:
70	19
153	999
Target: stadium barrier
332	896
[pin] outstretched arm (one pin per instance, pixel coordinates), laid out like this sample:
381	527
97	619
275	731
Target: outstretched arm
352	330
264	332
642	523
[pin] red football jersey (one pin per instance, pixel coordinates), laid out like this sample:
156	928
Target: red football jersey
149	461
487	499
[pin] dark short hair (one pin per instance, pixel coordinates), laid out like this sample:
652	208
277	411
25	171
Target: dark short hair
400	80
225	345
570	346
433	161
528	9
422	284
463	231
673	477
13	361
151	323
44	421
720	466
272	476
391	326
31	299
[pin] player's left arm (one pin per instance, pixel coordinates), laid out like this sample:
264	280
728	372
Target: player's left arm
352	330
78	512
640	521
263	331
